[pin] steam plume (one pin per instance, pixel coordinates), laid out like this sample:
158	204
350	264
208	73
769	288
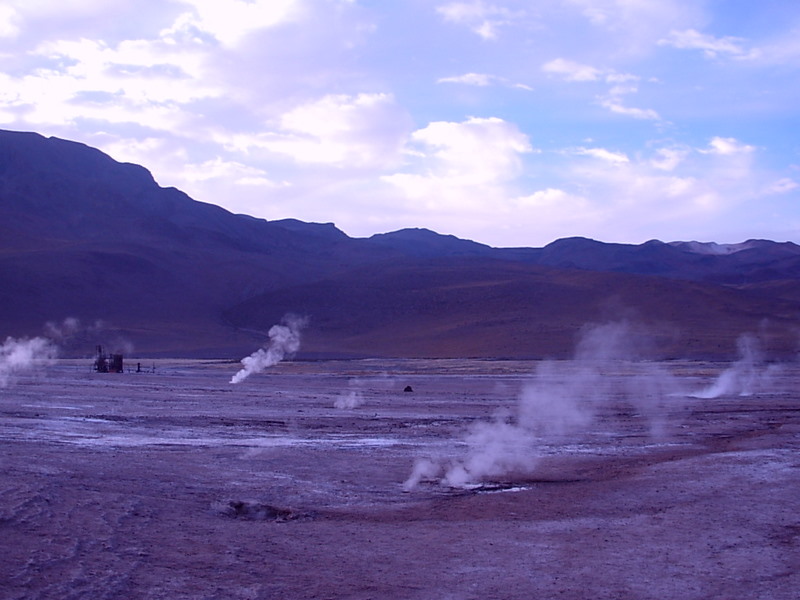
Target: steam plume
284	339
746	376
353	398
58	331
561	401
20	355
349	400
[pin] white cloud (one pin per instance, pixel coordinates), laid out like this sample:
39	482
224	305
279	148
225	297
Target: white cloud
667	193
135	81
136	151
636	25
232	20
482	18
47	7
479	150
781	50
358	131
9	21
622	89
623	83
483	80
620	78
615	105
633	195
668	159
552	213
141	70
727	147
232	171
603	154
555	204
711	46
572	71
478	79
463	164
781	186
314	101
674	188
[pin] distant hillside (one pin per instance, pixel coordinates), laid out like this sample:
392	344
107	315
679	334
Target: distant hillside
492	308
84	236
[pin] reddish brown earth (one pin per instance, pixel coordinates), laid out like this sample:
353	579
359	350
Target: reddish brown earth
177	484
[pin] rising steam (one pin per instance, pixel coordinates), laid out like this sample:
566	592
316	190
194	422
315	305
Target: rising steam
284	340
59	331
561	401
349	400
352	398
20	355
746	376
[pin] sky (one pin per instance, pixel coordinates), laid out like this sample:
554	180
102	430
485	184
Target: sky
511	123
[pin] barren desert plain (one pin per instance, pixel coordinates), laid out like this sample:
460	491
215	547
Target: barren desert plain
327	479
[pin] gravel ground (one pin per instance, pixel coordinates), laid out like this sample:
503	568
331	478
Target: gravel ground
295	483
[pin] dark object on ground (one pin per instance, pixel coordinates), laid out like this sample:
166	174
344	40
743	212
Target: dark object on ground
256	511
408	388
108	363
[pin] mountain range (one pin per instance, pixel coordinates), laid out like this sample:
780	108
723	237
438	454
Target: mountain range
146	268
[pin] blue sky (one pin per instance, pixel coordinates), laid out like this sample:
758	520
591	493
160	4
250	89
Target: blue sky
511	123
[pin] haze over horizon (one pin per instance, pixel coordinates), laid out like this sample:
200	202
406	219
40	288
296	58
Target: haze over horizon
506	122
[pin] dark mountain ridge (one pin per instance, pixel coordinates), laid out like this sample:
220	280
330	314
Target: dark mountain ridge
82	235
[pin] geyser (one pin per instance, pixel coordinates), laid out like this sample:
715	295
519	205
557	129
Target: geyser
284	339
353	397
25	354
746	376
18	355
560	402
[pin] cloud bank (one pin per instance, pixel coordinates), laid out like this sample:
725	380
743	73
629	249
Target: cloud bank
494	121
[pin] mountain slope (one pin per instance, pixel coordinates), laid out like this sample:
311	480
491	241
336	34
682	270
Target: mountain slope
755	260
84	236
489	308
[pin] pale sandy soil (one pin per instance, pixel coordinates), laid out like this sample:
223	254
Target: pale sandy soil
179	485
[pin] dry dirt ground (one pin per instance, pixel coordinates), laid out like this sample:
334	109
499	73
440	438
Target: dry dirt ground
177	484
